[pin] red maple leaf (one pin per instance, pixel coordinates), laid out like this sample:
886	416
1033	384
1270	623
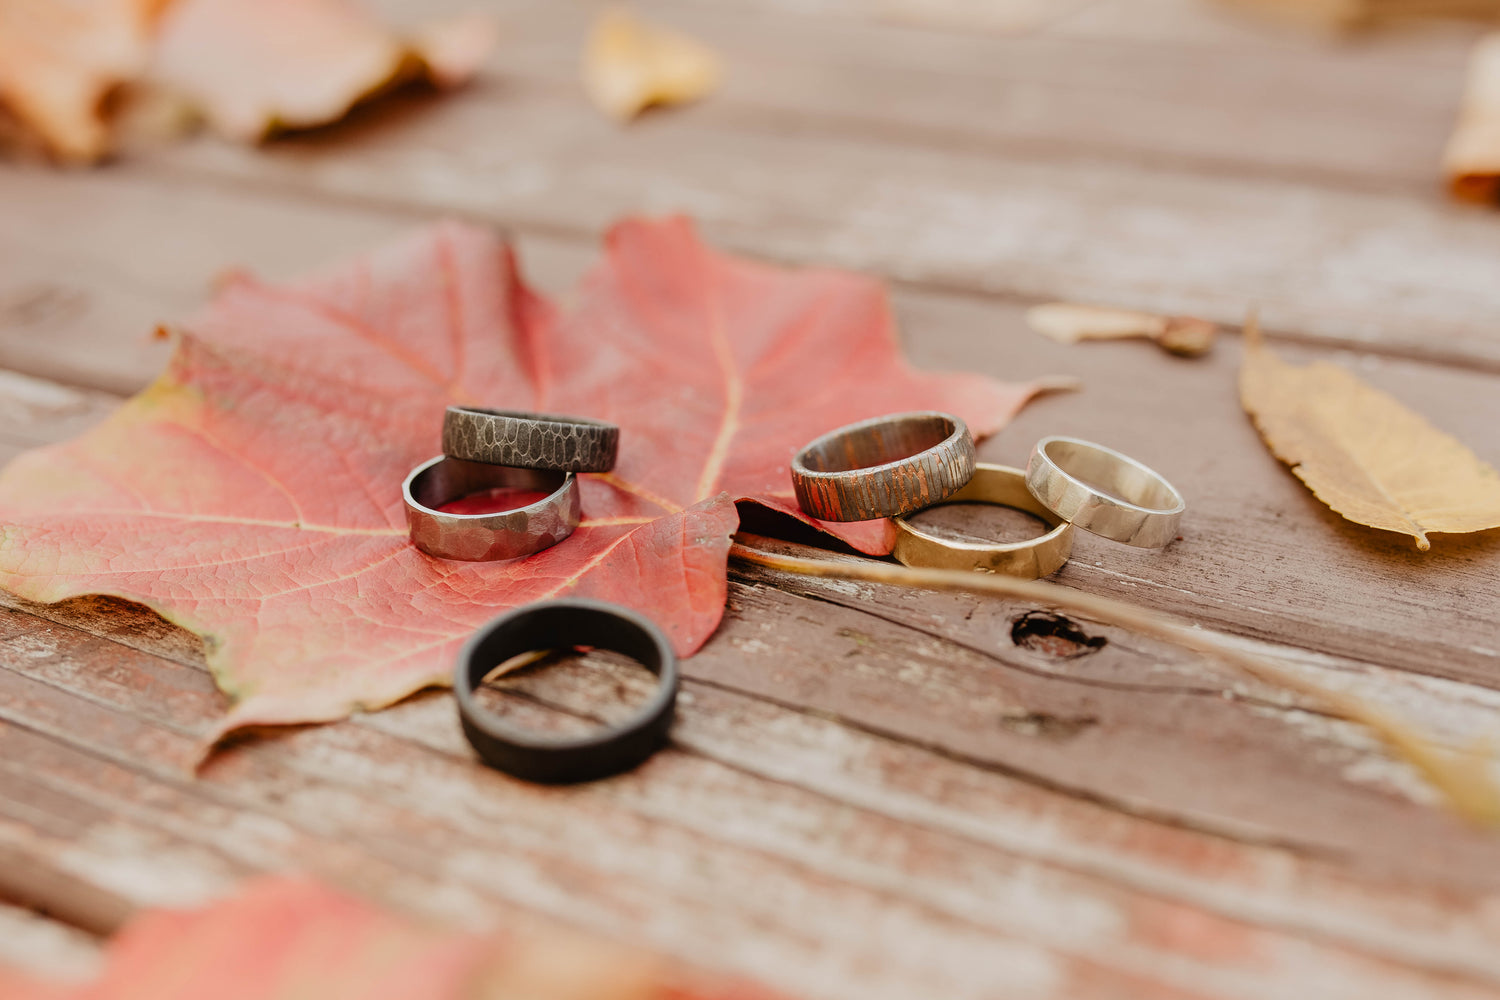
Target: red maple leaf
252	494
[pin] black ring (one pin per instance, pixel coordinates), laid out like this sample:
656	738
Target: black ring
529	440
564	624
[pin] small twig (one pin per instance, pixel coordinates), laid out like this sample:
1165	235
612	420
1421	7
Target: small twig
1464	781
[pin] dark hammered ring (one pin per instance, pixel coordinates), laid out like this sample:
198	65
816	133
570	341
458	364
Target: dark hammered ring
565	624
884	467
529	440
507	534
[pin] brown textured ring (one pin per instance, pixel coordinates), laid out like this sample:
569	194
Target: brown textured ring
529	440
884	467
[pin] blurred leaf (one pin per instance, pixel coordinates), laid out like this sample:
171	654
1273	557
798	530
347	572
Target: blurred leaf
1361	452
252	66
1067	323
59	61
629	65
1347	14
282	938
1472	160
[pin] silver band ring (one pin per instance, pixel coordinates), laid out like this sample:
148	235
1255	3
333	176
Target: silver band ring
1103	491
884	467
529	440
507	534
1030	559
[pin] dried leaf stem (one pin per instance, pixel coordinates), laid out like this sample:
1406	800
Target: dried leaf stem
1462	779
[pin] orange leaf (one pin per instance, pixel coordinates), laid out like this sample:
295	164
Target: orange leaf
253	493
252	66
59	59
629	65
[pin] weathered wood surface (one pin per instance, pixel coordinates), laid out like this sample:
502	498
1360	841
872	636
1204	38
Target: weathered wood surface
871	793
1356	261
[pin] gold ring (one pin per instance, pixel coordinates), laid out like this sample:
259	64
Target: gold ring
1030	559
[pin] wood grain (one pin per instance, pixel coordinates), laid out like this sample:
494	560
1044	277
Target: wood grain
871	902
871	792
1054	93
1390	269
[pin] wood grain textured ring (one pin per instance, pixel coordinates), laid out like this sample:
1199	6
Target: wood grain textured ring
529	440
1105	492
884	467
1029	560
507	534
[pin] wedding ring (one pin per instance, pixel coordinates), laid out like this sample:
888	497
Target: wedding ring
529	440
565	624
883	467
1030	559
506	534
1100	490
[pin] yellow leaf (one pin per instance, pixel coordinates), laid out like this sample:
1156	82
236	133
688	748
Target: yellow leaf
1361	452
1068	323
629	65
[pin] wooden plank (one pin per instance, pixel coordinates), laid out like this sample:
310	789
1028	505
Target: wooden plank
37	411
31	943
1378	271
1009	711
1372	114
87	271
696	855
89	266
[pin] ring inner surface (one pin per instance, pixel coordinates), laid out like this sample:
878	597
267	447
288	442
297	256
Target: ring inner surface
879	444
994	508
516	692
1123	481
559	632
453	479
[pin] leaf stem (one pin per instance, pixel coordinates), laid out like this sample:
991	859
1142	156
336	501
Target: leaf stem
1462	780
